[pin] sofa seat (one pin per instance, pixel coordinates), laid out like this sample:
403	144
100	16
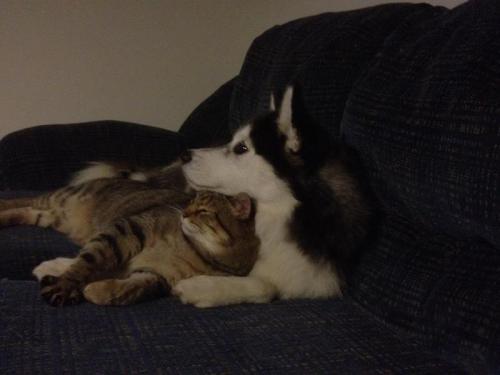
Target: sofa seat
164	336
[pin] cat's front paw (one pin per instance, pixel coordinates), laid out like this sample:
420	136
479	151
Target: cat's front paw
201	291
54	267
58	291
104	293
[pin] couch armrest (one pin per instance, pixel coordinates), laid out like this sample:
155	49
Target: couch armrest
43	157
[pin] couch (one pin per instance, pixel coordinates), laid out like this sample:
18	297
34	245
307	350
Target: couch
415	89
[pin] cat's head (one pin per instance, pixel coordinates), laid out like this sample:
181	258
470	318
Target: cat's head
221	227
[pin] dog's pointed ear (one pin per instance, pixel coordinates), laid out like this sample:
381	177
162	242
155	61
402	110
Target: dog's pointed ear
241	206
285	123
272	103
285	112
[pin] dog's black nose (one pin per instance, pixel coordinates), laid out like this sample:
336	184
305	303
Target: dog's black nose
185	156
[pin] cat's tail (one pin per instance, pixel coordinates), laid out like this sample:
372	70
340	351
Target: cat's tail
107	169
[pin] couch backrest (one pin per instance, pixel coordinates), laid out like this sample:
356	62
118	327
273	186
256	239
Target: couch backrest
325	54
44	157
425	117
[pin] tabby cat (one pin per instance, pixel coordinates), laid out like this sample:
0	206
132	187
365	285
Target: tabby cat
137	240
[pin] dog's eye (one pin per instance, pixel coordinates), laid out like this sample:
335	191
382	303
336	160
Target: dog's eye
240	148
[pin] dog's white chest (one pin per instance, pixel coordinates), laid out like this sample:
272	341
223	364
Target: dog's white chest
282	263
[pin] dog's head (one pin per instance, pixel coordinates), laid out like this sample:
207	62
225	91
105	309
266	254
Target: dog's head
264	155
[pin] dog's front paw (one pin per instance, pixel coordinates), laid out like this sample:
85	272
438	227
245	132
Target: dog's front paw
58	291
201	291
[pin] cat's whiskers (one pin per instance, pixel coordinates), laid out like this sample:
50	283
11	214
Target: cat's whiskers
176	208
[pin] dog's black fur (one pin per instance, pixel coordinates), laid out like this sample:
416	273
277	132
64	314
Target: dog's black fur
328	225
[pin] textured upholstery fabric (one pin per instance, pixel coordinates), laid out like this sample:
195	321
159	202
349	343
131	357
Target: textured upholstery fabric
43	157
431	134
208	123
325	54
443	289
299	337
425	116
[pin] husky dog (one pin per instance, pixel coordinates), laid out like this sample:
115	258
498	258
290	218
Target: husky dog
313	211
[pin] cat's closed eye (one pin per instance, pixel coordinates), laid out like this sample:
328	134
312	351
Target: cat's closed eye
204	212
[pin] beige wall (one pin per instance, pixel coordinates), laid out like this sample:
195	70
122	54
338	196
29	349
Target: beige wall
142	61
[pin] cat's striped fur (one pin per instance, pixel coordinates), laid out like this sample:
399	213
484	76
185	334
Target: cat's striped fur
137	240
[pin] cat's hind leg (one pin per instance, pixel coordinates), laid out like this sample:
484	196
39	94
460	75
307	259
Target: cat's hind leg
6	204
139	286
27	216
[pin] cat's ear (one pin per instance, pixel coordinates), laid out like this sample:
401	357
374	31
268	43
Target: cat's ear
241	206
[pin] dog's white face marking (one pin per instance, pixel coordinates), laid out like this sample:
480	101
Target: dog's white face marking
234	168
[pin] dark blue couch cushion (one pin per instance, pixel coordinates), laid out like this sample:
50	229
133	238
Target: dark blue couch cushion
442	289
326	54
163	336
425	118
44	157
208	124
